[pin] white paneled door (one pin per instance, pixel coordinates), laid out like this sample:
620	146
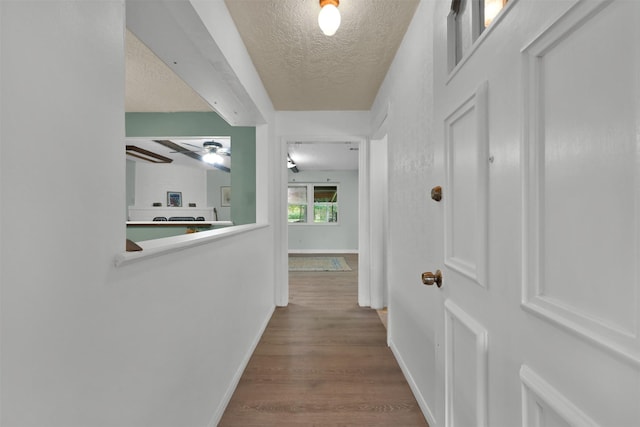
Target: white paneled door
539	121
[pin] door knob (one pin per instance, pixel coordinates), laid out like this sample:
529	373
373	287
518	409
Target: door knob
430	278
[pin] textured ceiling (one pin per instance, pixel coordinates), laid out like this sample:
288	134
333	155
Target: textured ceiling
304	70
151	86
301	68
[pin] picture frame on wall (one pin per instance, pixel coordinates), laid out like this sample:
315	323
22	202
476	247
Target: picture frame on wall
174	199
225	196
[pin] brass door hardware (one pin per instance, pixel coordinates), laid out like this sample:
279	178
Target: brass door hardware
430	278
436	193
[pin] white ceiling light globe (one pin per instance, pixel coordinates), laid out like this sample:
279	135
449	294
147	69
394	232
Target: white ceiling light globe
329	19
212	158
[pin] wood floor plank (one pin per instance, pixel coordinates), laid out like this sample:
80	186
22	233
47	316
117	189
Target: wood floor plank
323	360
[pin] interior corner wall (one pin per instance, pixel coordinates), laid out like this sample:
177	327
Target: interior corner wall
408	92
341	237
217	19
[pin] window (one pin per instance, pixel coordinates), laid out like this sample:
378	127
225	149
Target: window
313	204
297	199
490	10
467	20
325	204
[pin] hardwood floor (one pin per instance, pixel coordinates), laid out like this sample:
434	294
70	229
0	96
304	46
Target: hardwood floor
323	361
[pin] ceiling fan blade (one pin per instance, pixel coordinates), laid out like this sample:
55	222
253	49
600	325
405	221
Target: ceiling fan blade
199	147
178	149
187	151
193	154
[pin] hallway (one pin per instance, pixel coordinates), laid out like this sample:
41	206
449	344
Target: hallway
323	361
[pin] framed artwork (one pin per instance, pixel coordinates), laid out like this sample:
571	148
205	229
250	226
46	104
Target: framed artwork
174	199
225	196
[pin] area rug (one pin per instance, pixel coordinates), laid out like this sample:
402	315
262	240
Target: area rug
318	263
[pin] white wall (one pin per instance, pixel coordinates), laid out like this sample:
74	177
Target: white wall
340	237
379	221
154	343
322	125
154	180
407	92
150	183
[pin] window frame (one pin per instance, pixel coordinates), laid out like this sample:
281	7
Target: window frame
310	217
306	187
478	32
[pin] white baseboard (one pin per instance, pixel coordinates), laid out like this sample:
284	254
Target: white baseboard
217	416
323	251
426	411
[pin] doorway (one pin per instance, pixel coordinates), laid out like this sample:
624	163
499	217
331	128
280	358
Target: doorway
323	199
372	222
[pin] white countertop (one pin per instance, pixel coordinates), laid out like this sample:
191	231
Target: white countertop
180	223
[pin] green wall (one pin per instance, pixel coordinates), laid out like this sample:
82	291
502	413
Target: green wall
131	186
243	150
140	233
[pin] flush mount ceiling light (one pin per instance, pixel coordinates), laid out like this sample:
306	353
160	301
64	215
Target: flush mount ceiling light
329	16
211	156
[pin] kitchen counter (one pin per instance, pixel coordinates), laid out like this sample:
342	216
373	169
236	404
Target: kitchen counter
180	223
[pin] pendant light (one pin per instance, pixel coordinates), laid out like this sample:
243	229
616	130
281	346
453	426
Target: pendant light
329	16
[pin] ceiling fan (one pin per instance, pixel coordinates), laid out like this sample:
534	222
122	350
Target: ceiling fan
212	152
214	147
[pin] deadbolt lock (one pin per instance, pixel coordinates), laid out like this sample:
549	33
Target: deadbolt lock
436	193
430	278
